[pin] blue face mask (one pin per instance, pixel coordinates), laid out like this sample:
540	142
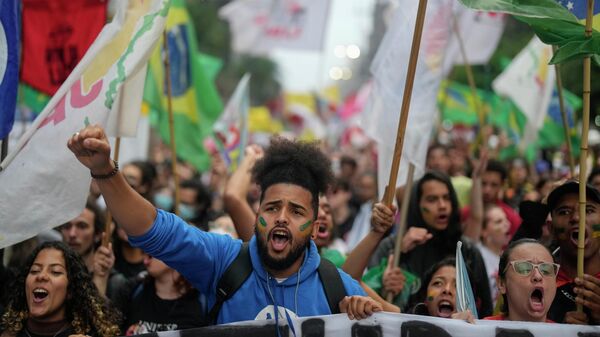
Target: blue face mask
163	201
187	212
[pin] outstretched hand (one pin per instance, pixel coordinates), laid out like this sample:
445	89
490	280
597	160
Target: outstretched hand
91	147
359	307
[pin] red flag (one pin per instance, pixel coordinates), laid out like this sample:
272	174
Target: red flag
56	34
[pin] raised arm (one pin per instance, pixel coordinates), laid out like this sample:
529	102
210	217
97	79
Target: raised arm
382	220
473	224
236	193
134	213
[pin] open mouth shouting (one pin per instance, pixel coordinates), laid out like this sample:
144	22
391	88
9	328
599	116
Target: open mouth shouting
39	295
279	238
442	219
536	299
323	232
575	236
445	308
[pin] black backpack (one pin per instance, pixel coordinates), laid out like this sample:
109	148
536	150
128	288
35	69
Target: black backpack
240	269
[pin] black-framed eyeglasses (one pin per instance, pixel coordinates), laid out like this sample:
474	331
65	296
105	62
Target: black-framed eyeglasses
525	268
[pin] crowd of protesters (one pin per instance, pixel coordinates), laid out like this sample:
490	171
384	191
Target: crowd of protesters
291	209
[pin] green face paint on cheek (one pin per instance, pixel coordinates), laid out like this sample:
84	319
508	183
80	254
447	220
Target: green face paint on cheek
262	221
304	226
425	210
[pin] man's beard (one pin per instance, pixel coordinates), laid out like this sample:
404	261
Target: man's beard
282	263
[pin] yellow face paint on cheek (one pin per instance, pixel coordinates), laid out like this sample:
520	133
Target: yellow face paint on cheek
431	294
596	231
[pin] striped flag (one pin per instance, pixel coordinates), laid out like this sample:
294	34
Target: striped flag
9	63
43	184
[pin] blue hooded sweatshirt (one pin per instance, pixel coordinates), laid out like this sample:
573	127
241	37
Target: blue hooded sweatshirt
203	257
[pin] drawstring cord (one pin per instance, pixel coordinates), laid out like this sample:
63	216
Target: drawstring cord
276	307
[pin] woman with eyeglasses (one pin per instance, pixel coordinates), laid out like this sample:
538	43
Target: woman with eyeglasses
527	282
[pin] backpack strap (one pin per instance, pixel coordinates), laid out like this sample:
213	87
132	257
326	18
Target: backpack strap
332	285
231	280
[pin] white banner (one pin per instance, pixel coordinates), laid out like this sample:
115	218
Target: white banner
390	325
380	117
480	33
43	184
528	82
258	26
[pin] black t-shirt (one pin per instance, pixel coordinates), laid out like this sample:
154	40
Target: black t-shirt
146	312
564	301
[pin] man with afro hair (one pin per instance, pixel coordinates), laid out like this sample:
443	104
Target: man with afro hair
284	281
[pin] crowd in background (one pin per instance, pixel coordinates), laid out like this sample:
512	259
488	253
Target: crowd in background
512	228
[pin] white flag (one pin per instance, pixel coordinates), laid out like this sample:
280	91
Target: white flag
382	113
480	33
258	26
528	82
43	184
232	127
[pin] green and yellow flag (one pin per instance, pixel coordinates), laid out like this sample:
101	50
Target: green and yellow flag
196	103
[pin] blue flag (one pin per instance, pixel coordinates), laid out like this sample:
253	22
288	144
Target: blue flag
9	63
464	293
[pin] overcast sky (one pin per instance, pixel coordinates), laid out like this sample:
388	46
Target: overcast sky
350	22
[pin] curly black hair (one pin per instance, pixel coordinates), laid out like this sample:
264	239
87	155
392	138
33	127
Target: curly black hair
85	309
294	162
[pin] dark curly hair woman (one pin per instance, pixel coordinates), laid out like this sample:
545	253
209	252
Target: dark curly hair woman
54	295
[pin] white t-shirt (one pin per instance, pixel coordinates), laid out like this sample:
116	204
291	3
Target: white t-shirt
491	261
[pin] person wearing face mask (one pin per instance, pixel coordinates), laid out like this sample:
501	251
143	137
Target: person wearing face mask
433	229
195	203
54	296
526	281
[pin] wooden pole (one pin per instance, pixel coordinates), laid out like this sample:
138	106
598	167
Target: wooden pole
108	225
563	113
403	215
471	80
587	65
167	65
390	190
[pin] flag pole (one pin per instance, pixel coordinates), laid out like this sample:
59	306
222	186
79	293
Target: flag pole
390	190
563	113
471	80
167	66
587	65
106	239
402	225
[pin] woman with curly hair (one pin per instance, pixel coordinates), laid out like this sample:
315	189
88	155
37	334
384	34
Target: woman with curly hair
54	296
